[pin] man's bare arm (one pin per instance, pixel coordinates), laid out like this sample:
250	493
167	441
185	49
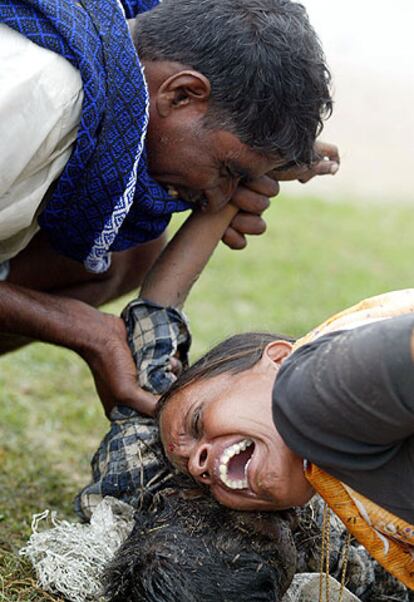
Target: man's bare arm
99	338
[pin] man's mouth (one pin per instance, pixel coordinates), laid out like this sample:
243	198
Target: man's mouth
233	464
172	191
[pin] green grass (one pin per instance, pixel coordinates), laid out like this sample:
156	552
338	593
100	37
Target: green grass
315	259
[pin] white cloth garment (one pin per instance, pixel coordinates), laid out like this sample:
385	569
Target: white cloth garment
40	107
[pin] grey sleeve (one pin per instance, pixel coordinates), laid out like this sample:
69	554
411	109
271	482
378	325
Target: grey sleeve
347	399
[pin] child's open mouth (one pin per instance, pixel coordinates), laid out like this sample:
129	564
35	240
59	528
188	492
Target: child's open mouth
234	463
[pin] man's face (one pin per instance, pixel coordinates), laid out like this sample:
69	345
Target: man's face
201	164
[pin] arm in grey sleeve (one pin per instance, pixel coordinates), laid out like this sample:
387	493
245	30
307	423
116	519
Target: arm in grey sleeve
349	396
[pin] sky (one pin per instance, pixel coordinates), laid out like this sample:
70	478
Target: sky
369	46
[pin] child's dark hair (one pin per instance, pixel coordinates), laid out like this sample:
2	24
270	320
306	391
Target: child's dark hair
188	551
232	356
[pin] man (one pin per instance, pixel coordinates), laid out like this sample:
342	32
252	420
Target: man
233	92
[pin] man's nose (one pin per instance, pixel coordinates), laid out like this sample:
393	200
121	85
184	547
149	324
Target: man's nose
198	464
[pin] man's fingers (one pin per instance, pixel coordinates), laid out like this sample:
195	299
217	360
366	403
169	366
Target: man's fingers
233	239
140	400
252	198
250	201
264	185
254	195
176	366
126	393
114	370
287	175
246	223
304	173
322	168
325	149
327	163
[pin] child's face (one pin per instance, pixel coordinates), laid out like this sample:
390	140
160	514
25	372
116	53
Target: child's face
221	431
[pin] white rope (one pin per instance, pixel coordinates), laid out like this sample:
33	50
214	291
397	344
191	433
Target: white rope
69	558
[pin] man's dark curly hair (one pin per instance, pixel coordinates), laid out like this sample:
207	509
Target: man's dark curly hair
193	551
264	61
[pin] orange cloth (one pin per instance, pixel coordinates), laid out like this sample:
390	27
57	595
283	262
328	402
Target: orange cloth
380	307
392	552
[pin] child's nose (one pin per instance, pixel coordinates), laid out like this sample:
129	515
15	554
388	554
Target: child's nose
198	464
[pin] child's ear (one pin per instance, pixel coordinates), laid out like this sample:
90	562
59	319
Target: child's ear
277	351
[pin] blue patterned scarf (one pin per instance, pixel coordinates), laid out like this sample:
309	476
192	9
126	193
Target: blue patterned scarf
105	199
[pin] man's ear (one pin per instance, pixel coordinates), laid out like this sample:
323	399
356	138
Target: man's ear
182	89
277	351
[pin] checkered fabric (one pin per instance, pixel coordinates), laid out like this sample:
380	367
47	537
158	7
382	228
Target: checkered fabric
129	463
155	334
105	199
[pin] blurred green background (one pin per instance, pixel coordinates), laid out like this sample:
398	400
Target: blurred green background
316	258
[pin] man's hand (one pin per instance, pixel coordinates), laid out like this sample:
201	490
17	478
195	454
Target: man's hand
252	199
327	163
100	339
113	368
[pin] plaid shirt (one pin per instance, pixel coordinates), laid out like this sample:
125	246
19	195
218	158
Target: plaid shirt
130	464
155	334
